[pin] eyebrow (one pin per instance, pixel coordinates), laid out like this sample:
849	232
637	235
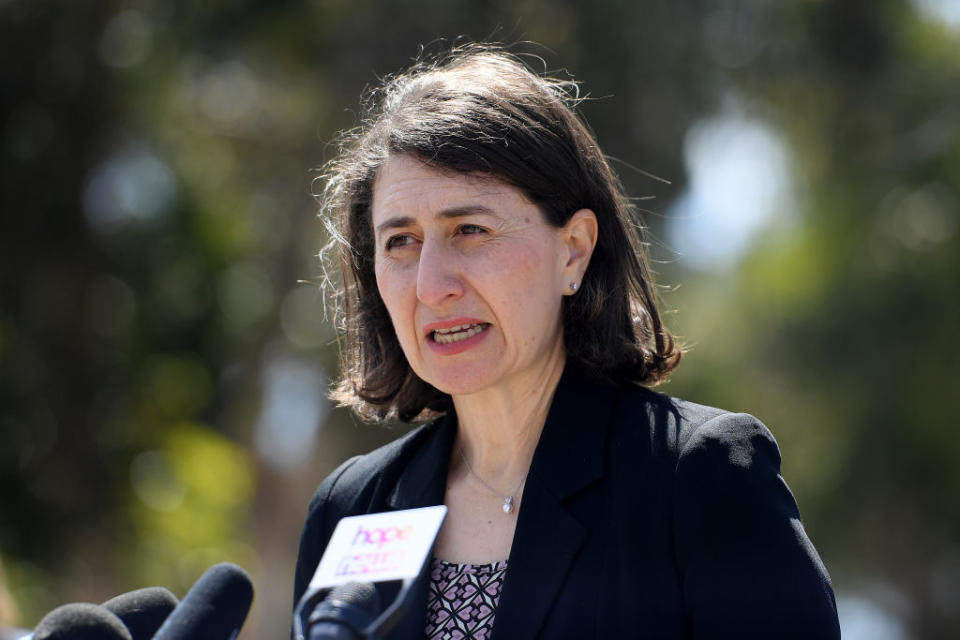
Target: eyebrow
453	212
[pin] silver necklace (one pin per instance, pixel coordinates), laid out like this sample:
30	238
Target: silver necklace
507	500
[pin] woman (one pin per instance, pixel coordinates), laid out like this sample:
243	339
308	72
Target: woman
493	278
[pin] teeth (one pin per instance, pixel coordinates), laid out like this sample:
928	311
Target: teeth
455	329
457	333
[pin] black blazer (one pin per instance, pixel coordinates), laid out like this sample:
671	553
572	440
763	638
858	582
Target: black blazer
643	516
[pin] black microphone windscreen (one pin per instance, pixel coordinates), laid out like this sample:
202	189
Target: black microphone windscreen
81	621
344	614
213	609
362	595
143	610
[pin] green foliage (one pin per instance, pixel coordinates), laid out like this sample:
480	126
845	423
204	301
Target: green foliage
191	498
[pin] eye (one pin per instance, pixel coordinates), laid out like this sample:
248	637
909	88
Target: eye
399	240
470	229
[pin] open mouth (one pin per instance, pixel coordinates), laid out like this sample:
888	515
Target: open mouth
458	333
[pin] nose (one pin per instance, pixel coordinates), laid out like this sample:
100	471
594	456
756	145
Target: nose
438	275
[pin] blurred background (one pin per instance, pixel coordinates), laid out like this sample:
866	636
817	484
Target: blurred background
164	350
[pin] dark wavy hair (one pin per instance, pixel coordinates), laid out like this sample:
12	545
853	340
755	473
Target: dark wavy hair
479	109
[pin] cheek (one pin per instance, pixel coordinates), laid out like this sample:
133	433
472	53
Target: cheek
391	292
381	278
399	295
528	290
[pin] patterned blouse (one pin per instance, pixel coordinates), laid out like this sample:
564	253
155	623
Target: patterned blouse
463	599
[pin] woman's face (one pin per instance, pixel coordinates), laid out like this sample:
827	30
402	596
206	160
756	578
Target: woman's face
471	274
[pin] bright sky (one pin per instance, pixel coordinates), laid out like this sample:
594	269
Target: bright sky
739	182
945	11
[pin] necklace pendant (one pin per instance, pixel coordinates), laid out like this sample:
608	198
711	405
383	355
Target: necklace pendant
508	505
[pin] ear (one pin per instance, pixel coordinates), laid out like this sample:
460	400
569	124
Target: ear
580	237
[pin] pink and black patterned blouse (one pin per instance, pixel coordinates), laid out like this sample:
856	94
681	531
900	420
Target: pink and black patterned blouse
463	599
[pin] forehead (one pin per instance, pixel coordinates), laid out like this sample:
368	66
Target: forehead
406	186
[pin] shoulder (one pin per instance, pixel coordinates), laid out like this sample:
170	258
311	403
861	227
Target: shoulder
747	566
739	545
360	485
701	449
680	428
363	479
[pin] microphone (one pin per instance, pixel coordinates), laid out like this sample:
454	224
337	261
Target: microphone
214	608
80	621
143	610
346	613
375	547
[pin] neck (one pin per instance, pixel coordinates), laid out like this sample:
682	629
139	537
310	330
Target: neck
499	427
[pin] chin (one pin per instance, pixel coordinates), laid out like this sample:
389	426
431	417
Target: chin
460	388
457	383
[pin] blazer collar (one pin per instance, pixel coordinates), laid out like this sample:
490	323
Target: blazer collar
569	455
568	458
423	481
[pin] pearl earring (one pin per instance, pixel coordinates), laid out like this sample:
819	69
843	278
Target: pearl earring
573	287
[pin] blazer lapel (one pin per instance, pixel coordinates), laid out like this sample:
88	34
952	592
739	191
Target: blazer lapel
424	480
422	484
568	458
